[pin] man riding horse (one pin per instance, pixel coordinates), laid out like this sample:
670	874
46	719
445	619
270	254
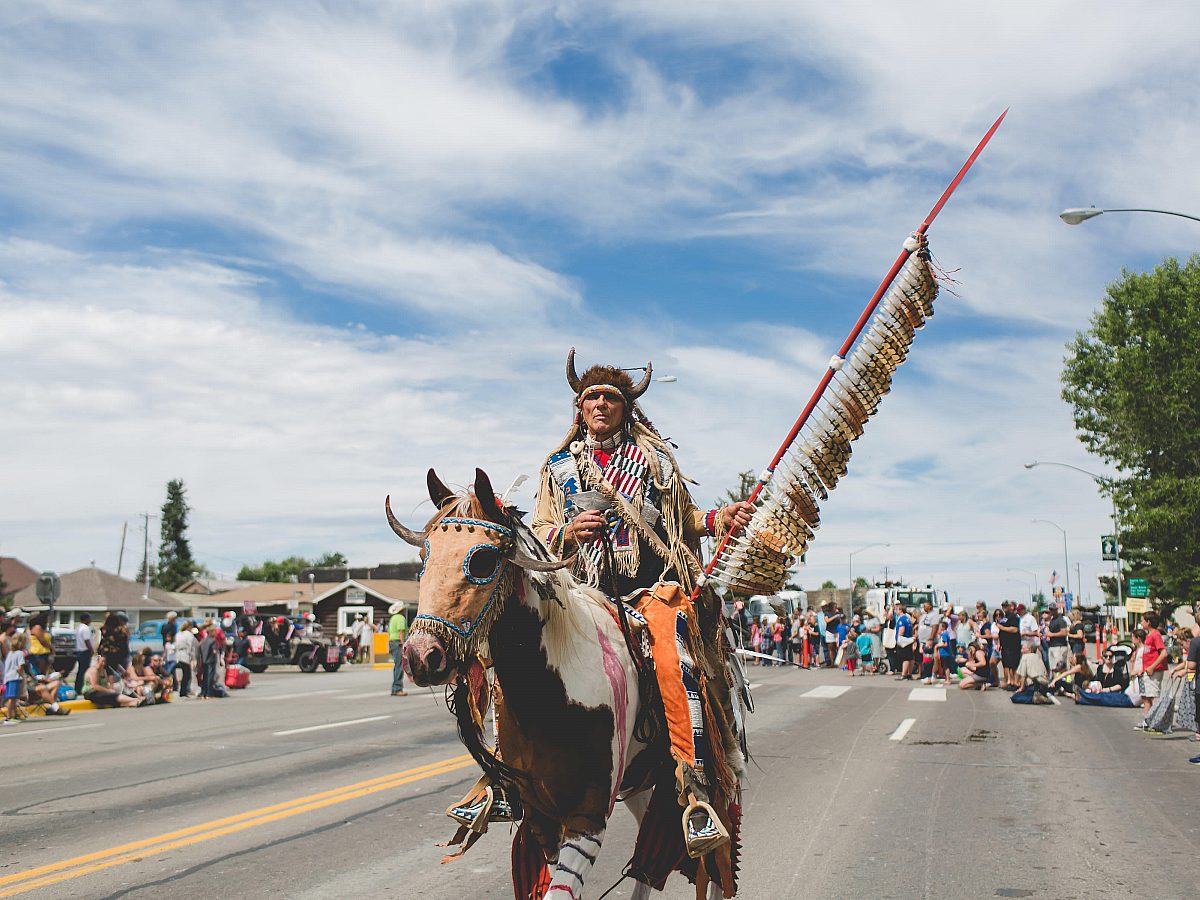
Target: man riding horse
612	496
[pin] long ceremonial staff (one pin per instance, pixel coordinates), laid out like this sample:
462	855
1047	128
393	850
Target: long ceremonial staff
839	358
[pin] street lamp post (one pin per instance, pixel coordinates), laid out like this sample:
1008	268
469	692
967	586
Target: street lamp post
1077	215
1022	581
1032	575
1104	485
852	553
1066	559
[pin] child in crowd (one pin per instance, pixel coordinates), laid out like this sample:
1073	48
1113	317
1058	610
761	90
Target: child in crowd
945	650
850	651
866	651
14	664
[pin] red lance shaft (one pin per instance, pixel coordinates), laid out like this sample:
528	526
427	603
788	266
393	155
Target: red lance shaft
853	336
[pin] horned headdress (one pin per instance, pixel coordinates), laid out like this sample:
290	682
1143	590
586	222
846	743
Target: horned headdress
815	453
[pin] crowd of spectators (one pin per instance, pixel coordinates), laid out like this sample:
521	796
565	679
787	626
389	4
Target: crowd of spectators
1036	656
27	675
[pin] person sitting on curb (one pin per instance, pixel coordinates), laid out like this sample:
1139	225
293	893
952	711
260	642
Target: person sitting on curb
1108	686
98	689
975	663
154	676
46	687
1073	679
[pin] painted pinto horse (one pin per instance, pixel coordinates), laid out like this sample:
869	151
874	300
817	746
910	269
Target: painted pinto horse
566	695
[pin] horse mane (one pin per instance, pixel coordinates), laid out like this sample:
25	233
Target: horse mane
465	505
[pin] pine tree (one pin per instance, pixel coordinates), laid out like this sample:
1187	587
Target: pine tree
175	563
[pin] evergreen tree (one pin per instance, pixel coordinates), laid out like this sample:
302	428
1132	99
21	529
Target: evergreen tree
175	563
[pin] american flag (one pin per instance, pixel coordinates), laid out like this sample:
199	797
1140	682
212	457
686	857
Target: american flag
1053	577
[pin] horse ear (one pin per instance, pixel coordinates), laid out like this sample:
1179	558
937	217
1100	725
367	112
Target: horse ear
487	497
438	492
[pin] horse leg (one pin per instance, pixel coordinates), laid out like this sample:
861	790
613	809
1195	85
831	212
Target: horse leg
576	855
637	804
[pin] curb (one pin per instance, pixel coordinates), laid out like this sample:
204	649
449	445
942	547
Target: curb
78	705
72	705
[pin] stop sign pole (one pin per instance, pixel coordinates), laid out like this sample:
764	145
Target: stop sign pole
49	588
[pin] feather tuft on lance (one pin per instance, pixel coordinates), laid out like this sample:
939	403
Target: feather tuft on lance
816	453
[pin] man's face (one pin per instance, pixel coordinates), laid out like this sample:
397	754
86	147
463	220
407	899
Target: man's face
928	607
603	412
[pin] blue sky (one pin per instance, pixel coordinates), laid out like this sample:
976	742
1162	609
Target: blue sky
296	254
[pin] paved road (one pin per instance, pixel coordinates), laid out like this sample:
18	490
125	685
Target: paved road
257	796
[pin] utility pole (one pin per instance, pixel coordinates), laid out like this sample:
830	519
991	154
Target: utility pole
146	517
121	554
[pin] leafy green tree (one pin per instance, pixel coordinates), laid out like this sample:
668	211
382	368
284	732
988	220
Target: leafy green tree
1132	383
287	569
175	563
827	584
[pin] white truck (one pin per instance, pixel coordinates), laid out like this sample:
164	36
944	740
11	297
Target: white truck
762	606
880	599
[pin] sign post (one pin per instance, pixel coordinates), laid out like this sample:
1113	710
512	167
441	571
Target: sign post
48	589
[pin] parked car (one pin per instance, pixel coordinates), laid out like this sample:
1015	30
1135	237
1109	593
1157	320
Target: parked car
63	639
149	634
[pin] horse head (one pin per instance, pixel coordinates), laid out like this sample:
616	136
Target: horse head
471	553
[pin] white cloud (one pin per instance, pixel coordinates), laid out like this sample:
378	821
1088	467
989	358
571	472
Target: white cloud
412	159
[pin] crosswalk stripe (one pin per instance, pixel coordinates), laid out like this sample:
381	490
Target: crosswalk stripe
902	730
928	694
826	692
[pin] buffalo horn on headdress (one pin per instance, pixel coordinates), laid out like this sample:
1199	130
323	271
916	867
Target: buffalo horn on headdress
572	375
640	388
406	534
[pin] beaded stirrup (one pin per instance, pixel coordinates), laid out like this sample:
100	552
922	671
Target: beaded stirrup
702	830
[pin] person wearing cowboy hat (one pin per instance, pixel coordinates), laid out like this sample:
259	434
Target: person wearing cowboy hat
397	630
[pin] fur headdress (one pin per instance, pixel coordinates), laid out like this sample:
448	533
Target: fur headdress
608	376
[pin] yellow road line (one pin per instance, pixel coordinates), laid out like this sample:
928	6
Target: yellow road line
53	873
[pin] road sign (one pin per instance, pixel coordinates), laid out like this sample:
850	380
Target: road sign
48	587
1139	587
1137	605
1108	547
